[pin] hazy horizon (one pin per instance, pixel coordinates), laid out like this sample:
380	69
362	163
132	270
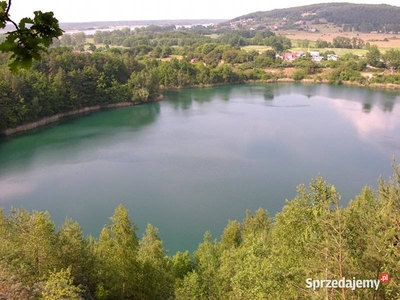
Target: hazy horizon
74	11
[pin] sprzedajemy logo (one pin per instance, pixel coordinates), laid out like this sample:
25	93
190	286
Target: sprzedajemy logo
352	284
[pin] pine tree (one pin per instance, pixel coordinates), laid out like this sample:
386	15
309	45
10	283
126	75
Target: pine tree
156	279
117	254
74	253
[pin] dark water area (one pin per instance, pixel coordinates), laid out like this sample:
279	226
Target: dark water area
202	157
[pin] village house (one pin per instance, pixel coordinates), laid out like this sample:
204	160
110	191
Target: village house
314	53
289	56
332	57
315	56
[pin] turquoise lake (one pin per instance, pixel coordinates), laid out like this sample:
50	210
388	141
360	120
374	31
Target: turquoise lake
202	157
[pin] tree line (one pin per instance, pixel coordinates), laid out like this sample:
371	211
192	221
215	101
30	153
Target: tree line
262	257
153	36
65	81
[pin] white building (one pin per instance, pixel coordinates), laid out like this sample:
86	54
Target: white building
332	57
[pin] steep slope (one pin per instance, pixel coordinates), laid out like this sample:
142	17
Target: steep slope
362	17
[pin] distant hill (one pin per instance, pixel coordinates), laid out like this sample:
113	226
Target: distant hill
359	17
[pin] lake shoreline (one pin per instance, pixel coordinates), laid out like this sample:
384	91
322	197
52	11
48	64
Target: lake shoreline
387	86
59	117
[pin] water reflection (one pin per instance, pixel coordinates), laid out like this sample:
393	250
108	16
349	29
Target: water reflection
12	189
350	93
388	105
66	140
379	126
367	107
183	99
385	99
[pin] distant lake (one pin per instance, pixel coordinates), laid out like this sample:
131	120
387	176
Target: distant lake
201	157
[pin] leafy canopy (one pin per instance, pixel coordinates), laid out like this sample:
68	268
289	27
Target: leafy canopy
31	37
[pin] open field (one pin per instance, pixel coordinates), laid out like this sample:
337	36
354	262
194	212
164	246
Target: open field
258	48
171	57
213	36
328	34
338	51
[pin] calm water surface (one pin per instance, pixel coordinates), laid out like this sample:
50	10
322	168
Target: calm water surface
201	157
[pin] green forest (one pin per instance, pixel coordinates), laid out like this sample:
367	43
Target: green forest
66	79
262	257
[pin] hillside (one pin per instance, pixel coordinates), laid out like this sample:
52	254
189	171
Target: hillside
357	17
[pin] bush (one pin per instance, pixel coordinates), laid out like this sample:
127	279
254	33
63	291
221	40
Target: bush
345	74
299	74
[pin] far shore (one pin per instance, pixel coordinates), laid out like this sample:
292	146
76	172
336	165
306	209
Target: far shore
59	117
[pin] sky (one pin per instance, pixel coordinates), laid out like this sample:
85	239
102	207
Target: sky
118	10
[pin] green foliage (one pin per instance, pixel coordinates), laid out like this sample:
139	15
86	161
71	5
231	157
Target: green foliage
384	79
231	237
190	288
299	74
60	286
3	14
30	38
207	263
344	42
117	250
374	57
392	58
35	234
278	42
345	73
74	252
321	44
156	279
